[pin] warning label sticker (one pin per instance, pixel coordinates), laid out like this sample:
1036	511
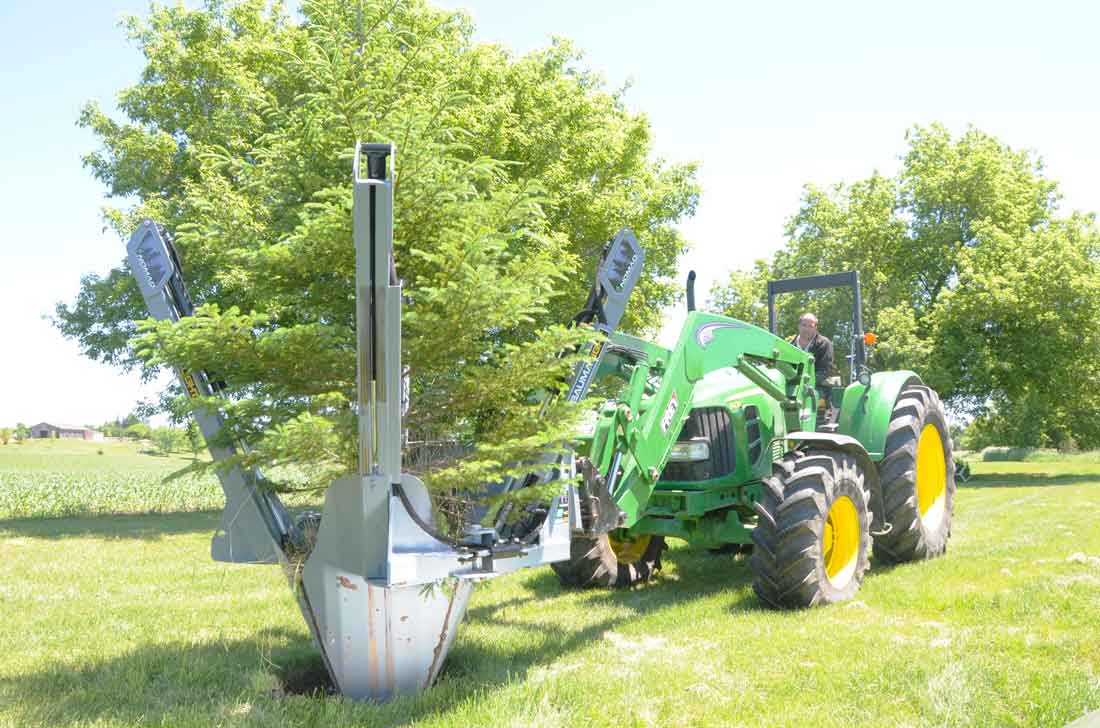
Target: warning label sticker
670	413
189	382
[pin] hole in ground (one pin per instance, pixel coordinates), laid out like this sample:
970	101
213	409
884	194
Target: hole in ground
304	675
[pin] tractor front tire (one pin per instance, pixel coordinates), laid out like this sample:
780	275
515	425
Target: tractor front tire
605	561
812	539
918	479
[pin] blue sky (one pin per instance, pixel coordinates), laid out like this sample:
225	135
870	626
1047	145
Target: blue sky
766	96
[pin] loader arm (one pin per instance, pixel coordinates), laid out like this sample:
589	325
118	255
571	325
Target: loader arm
617	273
635	435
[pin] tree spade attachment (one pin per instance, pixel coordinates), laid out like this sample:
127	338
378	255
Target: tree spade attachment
383	592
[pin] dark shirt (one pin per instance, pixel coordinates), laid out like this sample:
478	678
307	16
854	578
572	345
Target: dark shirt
822	349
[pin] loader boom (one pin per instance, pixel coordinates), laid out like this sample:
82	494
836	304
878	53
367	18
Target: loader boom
634	437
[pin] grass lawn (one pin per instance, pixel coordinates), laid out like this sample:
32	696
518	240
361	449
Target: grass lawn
82	456
123	620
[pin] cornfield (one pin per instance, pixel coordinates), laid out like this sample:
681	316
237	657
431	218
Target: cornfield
55	494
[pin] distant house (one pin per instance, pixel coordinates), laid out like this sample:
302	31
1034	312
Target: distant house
72	432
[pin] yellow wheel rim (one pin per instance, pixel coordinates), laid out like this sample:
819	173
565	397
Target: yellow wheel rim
840	541
931	477
629	550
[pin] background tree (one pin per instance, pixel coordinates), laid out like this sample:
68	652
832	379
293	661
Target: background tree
969	275
22	432
195	441
139	431
1016	337
166	439
5	435
117	426
512	172
112	428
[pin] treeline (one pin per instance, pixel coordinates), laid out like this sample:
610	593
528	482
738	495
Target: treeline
971	276
19	433
165	439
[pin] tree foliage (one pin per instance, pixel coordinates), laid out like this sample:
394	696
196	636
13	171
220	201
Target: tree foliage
970	277
138	431
511	174
195	440
166	439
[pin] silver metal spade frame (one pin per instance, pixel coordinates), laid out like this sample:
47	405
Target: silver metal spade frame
382	592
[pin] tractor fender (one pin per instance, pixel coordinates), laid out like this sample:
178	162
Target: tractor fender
853	447
865	409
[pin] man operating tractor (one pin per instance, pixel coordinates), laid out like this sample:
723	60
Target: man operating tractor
813	342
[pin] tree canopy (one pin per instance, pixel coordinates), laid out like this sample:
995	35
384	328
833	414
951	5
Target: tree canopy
512	172
970	277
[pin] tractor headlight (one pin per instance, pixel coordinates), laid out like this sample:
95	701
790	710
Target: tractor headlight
692	451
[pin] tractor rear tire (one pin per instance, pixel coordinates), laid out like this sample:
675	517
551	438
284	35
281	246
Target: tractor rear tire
604	561
918	479
812	539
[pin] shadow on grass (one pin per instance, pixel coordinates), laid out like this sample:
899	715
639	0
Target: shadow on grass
156	684
1027	480
699	575
279	671
474	666
140	526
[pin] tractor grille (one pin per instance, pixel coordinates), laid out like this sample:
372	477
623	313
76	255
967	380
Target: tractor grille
752	431
712	424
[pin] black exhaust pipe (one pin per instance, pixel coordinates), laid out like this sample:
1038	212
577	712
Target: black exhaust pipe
691	291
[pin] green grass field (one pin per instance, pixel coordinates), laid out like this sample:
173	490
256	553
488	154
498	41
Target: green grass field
123	620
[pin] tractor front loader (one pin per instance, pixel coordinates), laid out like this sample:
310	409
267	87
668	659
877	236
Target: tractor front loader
715	442
712	442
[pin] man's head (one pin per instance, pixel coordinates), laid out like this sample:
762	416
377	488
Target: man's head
807	325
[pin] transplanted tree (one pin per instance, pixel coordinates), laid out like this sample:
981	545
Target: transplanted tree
969	277
512	172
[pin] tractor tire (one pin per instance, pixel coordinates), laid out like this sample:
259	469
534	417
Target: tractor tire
812	539
604	561
918	479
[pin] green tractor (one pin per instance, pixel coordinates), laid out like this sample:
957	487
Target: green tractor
725	442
